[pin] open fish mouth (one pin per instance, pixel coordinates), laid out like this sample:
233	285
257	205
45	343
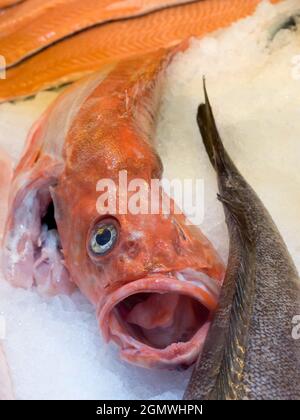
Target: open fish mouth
161	320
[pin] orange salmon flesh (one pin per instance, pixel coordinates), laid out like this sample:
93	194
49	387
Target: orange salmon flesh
90	50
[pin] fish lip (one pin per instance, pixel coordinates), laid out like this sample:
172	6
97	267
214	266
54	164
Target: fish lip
175	355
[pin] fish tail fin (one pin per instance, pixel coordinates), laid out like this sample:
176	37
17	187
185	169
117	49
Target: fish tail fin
231	181
211	138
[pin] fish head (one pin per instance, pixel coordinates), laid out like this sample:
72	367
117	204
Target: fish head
153	276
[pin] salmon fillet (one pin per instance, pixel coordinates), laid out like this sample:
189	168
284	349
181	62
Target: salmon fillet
48	23
88	51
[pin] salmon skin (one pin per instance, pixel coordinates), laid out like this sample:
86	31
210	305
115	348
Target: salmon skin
47	25
88	51
250	352
153	278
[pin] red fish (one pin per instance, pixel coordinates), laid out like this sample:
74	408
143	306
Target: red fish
153	278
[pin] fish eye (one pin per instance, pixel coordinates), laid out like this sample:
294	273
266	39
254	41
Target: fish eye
104	237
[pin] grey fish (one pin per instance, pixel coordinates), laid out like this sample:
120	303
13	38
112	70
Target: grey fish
249	352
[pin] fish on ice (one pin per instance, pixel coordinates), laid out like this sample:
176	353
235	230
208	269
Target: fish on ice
154	279
250	351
